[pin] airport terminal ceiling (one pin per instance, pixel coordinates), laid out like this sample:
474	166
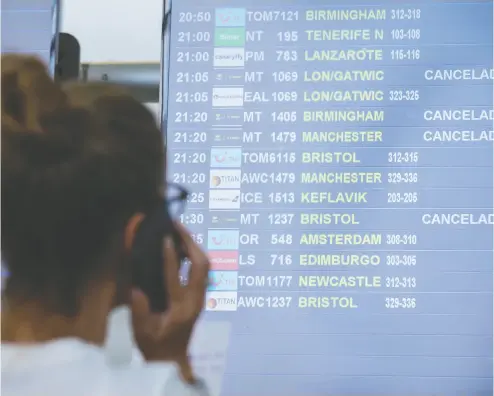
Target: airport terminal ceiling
340	161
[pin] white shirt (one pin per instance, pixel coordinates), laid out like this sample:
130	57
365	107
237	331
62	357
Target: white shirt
207	349
71	367
120	347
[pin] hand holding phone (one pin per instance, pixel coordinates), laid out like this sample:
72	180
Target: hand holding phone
147	252
165	336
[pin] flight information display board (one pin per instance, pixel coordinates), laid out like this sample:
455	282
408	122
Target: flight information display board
340	161
30	26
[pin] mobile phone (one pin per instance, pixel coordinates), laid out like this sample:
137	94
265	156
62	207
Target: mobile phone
147	256
41	38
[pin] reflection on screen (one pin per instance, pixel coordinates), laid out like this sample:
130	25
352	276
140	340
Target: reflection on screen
340	158
3	275
29	26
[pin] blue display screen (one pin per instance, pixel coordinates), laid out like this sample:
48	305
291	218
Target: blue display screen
30	26
340	161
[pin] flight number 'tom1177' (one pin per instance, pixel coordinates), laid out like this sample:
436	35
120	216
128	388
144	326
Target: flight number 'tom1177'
326	281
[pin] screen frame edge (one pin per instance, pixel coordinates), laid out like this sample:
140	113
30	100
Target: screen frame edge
54	45
165	67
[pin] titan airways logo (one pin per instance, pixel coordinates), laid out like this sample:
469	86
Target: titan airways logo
224	178
221	301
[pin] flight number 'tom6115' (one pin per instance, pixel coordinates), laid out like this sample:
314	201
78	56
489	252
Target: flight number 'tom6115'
269	158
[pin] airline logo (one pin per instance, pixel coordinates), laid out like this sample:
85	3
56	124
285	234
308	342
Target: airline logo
226	219
227	137
229	37
224	199
230	17
221	301
224	178
228	97
232	116
223	260
226	157
228	57
223	280
223	239
229	76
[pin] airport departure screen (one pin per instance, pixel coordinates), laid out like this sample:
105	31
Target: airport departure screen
29	27
339	158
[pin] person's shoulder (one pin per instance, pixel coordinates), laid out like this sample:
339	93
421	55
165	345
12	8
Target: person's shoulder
73	367
153	379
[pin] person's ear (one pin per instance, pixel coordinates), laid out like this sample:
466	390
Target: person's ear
131	230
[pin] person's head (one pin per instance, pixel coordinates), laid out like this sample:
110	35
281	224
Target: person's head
27	91
130	123
73	194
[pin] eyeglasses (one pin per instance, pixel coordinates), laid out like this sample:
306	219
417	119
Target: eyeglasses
176	199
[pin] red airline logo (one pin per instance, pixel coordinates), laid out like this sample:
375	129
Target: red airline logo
223	260
225	18
217	241
220	158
